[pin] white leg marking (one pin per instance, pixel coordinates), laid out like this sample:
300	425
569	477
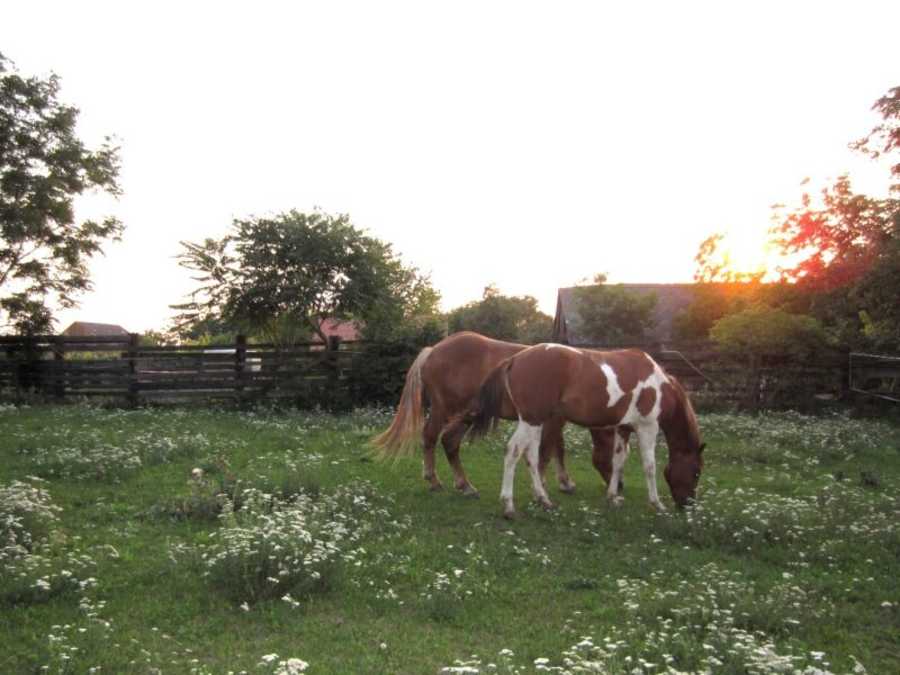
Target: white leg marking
531	458
620	454
522	439
646	434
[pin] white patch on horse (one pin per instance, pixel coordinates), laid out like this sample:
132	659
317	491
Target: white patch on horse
654	381
553	345
613	390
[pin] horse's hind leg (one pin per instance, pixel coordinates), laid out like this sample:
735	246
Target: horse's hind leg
522	439
429	439
606	442
451	440
552	445
531	457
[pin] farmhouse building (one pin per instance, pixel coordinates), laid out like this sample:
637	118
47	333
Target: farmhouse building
672	299
345	330
88	329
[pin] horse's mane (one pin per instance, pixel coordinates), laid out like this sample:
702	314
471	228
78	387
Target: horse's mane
692	426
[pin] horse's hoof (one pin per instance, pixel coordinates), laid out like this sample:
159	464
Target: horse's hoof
547	504
509	515
568	489
436	487
470	492
616	501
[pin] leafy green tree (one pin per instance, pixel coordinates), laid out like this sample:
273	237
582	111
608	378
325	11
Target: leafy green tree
849	256
613	315
280	277
711	302
510	318
761	332
762	336
209	330
848	245
44	251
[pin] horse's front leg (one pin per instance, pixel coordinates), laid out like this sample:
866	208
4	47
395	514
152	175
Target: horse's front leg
646	434
617	445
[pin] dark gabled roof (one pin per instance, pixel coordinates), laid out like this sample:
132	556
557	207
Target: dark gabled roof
88	329
671	300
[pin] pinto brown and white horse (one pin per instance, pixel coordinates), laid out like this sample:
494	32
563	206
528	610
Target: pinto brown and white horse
448	377
622	389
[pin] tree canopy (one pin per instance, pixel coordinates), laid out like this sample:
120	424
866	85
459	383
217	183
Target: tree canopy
44	251
612	315
503	317
760	330
844	248
848	246
281	276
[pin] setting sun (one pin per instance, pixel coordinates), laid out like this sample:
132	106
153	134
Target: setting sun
745	252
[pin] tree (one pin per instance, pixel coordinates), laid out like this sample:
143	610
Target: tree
44	251
848	251
710	303
884	139
280	277
761	332
510	318
612	315
762	335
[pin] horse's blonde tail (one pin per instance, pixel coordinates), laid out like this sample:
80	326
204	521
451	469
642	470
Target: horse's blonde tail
402	437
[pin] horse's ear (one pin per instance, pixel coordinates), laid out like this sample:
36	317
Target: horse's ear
702	448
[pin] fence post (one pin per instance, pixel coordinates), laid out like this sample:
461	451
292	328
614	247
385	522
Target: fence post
59	364
334	374
240	363
133	387
28	366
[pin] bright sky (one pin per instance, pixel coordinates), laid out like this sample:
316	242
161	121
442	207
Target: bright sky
525	144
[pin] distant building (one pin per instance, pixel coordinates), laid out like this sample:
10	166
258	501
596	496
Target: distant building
345	330
87	329
672	299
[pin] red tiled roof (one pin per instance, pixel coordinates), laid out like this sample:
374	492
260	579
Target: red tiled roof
88	329
346	330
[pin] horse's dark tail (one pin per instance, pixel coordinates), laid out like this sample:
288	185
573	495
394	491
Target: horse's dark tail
485	413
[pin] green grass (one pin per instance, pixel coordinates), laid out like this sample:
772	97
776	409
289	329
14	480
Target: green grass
789	562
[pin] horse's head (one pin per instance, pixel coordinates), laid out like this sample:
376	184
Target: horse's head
683	473
685	449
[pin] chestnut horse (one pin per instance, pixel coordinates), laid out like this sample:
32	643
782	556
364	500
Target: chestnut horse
595	389
448	377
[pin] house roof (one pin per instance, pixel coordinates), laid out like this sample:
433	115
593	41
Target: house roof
345	330
671	300
88	329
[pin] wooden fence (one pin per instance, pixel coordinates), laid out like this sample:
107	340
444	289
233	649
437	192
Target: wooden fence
119	367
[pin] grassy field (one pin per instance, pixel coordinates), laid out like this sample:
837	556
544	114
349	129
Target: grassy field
292	547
